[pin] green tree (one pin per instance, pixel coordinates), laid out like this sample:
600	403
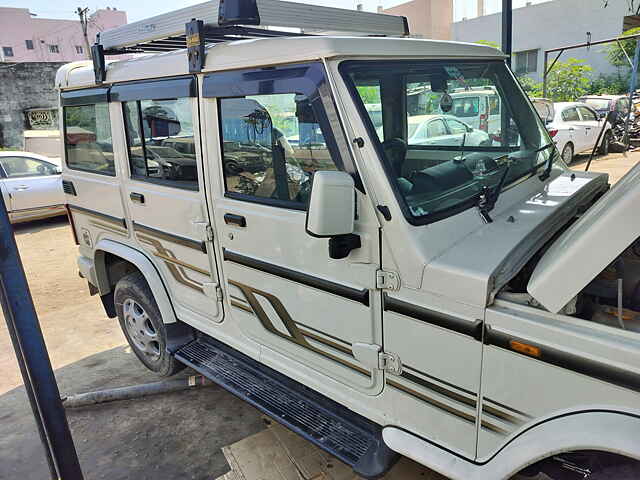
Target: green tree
616	50
369	94
530	86
568	80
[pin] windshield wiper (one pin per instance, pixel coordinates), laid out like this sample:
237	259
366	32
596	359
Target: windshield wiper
547	169
489	197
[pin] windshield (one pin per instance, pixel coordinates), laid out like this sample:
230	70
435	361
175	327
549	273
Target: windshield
442	145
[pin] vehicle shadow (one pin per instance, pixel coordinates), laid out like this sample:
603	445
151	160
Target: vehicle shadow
169	436
35	226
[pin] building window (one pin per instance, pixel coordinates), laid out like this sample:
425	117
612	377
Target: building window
79	49
29	44
54	49
527	61
7	51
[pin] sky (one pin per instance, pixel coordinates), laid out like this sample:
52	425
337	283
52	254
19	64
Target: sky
140	9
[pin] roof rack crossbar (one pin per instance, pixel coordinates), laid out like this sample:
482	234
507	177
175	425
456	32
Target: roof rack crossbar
217	21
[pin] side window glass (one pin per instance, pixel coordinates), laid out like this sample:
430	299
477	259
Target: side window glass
570	115
271	146
16	167
436	129
160	141
465	107
370	95
87	139
587	115
456	127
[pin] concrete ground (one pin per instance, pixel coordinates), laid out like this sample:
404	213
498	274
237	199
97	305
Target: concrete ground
172	436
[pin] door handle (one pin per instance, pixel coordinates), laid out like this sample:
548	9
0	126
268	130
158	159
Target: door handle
136	197
233	219
21	188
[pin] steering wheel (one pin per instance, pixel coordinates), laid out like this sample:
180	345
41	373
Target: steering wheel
396	151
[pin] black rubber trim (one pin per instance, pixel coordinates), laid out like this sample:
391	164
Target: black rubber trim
121	221
569	361
361	296
179	87
472	329
85	96
187	242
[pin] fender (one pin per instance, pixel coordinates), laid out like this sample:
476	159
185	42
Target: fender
143	264
602	430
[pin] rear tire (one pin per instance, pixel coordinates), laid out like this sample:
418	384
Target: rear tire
142	324
567	153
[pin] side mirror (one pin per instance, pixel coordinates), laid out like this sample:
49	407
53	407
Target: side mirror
331	212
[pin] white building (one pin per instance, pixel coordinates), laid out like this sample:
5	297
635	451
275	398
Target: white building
552	24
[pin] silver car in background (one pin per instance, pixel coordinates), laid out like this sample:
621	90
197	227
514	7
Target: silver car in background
31	186
574	127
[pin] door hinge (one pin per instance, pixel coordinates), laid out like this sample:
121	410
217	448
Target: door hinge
387	280
205	231
212	290
390	363
372	356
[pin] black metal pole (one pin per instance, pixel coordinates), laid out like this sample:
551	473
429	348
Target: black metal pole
31	352
507	28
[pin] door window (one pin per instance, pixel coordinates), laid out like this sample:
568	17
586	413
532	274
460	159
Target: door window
587	114
271	146
87	138
570	115
160	141
17	167
436	128
456	126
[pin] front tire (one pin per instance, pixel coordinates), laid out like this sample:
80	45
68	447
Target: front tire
606	143
142	324
567	153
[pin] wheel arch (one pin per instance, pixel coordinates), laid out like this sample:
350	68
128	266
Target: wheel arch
107	250
597	430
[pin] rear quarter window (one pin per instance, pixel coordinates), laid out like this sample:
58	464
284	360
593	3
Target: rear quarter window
87	139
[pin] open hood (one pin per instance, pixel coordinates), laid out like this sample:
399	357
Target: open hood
589	245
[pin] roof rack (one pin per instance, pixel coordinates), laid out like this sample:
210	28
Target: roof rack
225	20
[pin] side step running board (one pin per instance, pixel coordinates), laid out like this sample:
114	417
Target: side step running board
329	425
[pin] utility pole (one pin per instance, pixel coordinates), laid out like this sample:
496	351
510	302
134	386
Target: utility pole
82	14
507	28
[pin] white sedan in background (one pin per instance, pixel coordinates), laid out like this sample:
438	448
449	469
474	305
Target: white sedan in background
574	127
31	186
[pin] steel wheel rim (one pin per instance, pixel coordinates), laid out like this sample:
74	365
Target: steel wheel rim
567	154
140	329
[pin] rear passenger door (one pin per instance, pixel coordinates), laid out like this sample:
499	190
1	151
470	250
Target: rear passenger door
163	190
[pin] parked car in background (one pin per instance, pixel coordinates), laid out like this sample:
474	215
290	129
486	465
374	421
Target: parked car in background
574	127
479	107
603	104
443	130
31	186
